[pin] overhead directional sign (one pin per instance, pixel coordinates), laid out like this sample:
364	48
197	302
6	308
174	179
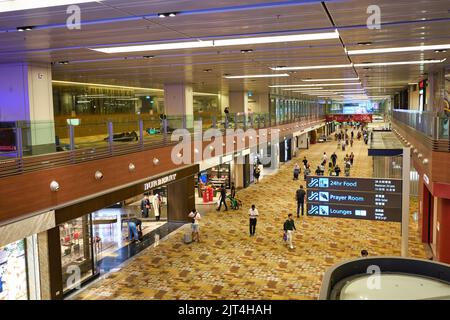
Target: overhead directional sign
369	199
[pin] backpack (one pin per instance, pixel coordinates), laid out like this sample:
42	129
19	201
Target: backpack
193	218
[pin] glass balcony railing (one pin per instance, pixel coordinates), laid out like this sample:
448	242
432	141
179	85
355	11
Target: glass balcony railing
33	143
431	124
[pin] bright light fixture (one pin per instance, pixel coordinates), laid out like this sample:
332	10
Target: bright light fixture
336	79
276	39
123	87
220	43
314	67
17	5
275	75
396	63
314	85
400	49
158	46
374	64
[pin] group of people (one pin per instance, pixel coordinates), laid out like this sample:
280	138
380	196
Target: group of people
149	202
289	224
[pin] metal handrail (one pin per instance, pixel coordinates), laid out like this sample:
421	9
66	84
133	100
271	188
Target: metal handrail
431	124
19	165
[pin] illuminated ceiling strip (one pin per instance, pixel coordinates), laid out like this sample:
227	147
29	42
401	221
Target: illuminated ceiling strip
396	63
313	85
400	49
276	75
219	43
18	5
313	67
123	87
372	64
336	79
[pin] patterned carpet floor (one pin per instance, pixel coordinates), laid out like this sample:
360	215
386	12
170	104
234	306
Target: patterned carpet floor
229	264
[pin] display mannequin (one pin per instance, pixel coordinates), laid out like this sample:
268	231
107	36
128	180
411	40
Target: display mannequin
156	201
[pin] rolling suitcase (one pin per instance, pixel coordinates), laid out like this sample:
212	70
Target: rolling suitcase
187	238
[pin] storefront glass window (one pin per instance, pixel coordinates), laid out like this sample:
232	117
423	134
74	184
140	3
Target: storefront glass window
76	252
13	272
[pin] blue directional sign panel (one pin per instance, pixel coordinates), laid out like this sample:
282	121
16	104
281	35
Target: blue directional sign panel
368	199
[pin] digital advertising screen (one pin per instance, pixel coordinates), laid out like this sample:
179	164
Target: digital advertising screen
357	108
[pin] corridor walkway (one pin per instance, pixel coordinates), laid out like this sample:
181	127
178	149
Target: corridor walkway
228	264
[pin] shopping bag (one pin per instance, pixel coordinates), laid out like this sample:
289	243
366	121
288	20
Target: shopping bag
285	236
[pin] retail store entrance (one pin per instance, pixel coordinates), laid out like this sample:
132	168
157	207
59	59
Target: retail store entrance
99	234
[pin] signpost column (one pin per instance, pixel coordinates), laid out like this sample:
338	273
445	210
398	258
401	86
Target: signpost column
405	200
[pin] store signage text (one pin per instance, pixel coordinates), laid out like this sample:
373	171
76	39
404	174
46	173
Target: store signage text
369	199
159	182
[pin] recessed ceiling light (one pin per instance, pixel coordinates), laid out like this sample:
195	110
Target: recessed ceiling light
400	49
314	67
207	70
440	51
63	62
314	85
334	79
275	75
395	63
17	5
246	50
218	43
27	28
148	57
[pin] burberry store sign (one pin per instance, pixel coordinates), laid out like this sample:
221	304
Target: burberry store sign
159	182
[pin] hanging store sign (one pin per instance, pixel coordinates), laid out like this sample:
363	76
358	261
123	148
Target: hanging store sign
349	117
369	199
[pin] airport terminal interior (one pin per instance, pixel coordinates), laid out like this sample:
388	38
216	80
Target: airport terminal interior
224	150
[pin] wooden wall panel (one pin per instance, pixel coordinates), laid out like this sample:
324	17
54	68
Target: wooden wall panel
438	165
29	193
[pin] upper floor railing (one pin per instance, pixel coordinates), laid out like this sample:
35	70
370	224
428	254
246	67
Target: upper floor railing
431	124
29	146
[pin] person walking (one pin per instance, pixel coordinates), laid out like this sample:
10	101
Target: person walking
307	171
296	171
351	142
145	207
289	227
324	158
253	215
334	158
195	225
233	190
305	162
330	169
337	170
318	171
256	173
351	157
223	197
300	196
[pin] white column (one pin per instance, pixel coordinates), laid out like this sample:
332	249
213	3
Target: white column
179	102
238	102
260	104
224	101
275	154
405	200
26	95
